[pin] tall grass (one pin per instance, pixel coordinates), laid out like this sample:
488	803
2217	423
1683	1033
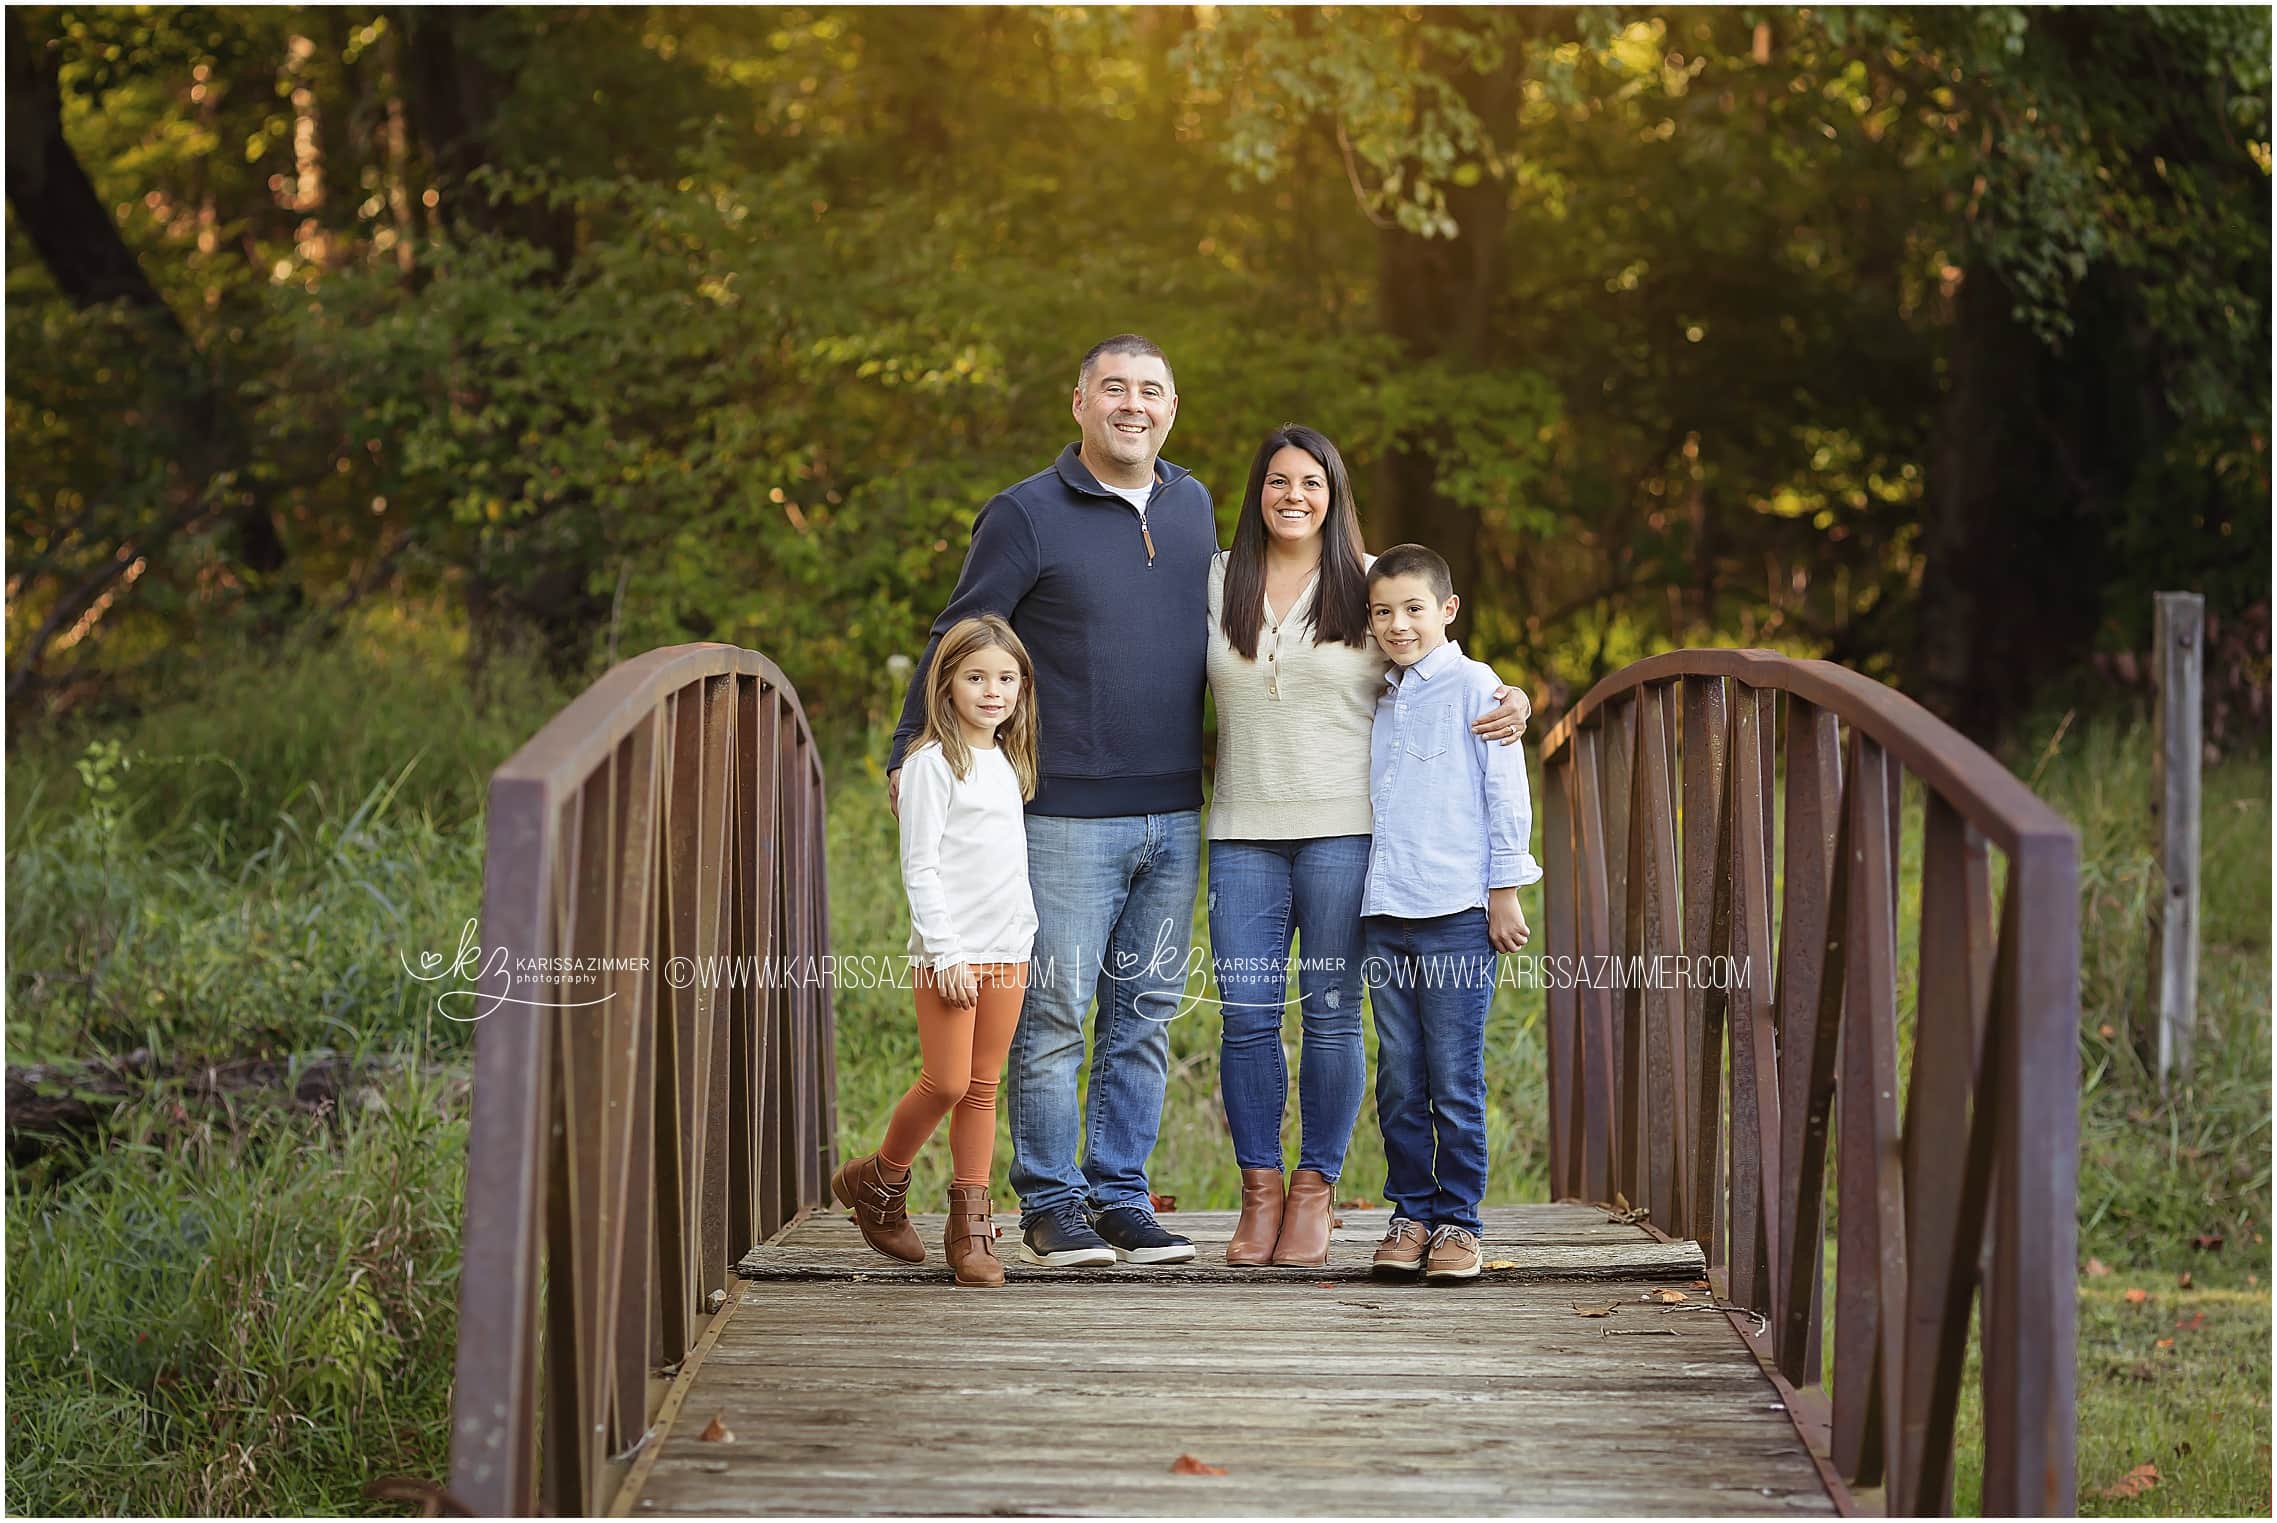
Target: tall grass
247	1310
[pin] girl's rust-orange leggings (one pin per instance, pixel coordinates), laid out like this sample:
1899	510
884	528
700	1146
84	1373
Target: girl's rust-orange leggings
964	1057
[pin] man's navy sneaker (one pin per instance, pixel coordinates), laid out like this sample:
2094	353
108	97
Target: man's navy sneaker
1138	1238
1062	1239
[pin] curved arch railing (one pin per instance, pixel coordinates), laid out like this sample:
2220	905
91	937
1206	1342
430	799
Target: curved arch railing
636	1127
1953	1172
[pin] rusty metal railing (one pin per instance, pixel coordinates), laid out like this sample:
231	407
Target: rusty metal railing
623	1154
1954	1174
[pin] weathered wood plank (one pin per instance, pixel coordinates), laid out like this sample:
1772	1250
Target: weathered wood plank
850	1391
1073	1398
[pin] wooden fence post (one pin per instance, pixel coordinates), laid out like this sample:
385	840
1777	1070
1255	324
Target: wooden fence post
2179	628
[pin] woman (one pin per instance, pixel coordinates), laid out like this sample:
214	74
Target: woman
1295	676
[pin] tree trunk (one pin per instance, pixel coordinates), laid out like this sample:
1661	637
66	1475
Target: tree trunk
457	72
1432	297
56	206
2030	455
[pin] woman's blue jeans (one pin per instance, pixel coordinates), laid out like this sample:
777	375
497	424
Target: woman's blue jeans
1260	893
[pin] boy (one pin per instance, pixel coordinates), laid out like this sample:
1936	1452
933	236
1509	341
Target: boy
1452	823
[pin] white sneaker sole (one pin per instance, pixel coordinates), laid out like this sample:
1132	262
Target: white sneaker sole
1177	1253
1068	1258
1437	1276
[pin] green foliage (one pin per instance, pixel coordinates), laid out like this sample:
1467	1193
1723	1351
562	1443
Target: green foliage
244	869
744	315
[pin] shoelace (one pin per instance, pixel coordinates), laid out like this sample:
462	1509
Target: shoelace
1460	1237
1403	1229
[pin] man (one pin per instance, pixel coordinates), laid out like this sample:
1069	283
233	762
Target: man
1101	562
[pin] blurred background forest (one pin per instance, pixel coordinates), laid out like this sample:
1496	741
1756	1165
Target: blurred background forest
378	374
1927	341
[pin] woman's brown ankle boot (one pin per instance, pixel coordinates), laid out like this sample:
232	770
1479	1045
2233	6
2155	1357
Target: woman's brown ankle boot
969	1244
1260	1224
1307	1219
880	1206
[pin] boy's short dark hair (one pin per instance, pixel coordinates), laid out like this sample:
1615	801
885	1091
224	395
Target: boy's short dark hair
1414	560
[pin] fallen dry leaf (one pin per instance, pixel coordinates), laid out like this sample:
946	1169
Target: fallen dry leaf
2165	1343
2104	1031
2197	1321
2097	1268
2133	1484
1162	1202
1336	1221
1620	1201
1186	1464
2137	1296
1357	1203
1669	1297
715	1431
2183	1279
2207	1241
1580	1310
1702	1285
1502	1263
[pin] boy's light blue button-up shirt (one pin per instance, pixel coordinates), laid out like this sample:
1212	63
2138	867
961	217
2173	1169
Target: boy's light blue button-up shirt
1453	817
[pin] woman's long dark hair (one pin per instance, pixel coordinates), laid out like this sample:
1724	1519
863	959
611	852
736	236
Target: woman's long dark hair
1339	610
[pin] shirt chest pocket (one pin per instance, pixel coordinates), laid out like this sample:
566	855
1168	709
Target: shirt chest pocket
1428	732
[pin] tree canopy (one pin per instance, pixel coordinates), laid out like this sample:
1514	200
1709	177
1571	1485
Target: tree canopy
1929	341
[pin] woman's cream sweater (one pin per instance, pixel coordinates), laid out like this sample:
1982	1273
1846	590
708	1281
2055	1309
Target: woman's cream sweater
1293	727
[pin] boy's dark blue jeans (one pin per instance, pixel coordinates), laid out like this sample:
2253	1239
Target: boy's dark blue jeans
1430	983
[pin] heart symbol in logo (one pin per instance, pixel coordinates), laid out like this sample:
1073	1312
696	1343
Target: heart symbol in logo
430	961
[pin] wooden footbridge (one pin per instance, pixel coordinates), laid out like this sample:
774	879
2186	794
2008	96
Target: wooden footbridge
661	1314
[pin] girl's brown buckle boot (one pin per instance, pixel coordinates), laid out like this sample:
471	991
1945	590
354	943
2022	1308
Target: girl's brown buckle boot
880	1206
969	1243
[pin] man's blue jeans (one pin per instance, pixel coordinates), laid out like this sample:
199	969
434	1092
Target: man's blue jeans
1260	891
1115	917
1430	983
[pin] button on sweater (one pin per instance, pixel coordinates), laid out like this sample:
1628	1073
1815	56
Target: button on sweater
1293	727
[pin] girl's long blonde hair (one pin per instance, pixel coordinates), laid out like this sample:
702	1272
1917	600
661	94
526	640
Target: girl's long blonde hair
1016	736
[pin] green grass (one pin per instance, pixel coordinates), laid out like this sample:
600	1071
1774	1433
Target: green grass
247	1310
254	1311
257	1320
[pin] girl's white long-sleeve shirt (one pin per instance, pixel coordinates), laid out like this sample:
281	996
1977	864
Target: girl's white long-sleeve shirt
964	861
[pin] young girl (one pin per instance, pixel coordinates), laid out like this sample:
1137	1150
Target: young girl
972	924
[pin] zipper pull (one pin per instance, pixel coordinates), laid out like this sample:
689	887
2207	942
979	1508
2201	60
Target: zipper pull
1149	538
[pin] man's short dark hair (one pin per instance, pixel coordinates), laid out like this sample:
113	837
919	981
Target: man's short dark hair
1124	343
1414	560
